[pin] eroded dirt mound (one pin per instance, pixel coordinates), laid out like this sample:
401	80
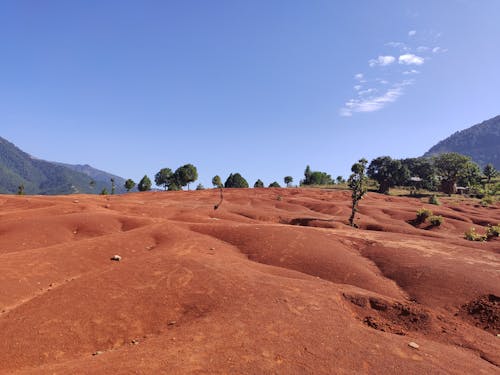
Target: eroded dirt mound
272	282
389	316
483	312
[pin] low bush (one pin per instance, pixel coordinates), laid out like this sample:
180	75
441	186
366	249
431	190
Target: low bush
472	235
422	215
486	201
492	231
433	199
436	220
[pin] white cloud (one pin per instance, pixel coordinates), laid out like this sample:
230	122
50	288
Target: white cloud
367	91
374	103
422	49
411	59
357	87
382	61
358	77
412	33
413	71
439	50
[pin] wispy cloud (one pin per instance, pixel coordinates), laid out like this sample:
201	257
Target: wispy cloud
411	59
399	45
375	102
408	72
439	50
359	77
374	88
382	61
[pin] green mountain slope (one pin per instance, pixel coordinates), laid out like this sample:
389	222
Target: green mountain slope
481	142
43	177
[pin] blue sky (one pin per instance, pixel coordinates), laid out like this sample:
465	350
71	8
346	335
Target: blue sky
257	87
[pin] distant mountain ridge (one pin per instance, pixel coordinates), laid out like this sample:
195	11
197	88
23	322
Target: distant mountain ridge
43	177
481	142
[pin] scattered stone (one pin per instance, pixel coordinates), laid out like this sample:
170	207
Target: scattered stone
413	345
135	342
212	248
97	353
116	258
76	201
171	323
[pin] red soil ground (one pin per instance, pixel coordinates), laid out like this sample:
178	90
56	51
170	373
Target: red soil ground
273	282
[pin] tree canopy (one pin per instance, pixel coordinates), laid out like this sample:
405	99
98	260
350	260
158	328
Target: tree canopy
164	177
235	181
274	185
258	184
216	181
129	184
388	172
185	175
450	167
144	184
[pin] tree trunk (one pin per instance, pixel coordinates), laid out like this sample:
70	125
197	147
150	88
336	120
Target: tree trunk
449	187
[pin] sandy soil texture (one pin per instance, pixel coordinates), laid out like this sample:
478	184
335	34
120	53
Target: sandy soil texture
272	282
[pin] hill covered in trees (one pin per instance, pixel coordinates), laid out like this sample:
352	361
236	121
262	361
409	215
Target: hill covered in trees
481	142
17	168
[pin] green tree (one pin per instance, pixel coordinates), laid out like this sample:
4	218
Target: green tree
288	180
20	190
471	174
274	185
422	173
388	173
340	180
200	187
307	176
258	184
113	186
104	191
185	175
164	177
235	181
144	184
129	184
489	172
450	166
217	182
357	183
316	178
92	184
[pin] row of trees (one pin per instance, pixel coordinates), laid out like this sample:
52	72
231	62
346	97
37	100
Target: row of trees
443	172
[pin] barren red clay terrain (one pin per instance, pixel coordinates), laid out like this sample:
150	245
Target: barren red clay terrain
272	282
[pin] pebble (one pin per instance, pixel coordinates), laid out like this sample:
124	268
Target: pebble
171	323
116	257
135	342
97	353
413	345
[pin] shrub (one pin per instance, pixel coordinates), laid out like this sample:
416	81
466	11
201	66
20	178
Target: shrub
422	215
492	231
433	199
486	201
472	235
436	220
